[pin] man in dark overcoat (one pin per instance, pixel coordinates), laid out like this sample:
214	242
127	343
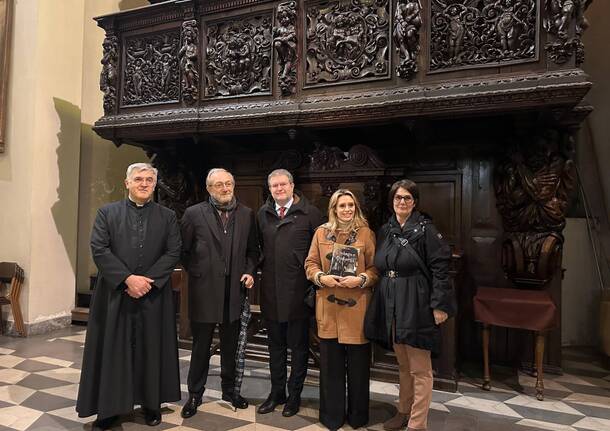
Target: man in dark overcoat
220	253
131	352
286	225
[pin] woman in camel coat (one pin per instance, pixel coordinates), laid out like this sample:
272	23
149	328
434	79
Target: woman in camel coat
341	304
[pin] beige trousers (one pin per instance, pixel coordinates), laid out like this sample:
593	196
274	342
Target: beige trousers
415	373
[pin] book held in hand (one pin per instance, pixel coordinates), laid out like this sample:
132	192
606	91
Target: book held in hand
344	260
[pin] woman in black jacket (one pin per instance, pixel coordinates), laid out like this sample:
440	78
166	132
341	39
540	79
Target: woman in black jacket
412	299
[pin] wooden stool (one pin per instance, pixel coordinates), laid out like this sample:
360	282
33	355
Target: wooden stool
515	308
12	274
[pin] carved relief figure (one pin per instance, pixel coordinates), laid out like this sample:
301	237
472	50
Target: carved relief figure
508	27
239	56
151	72
188	55
533	187
407	22
472	32
109	73
347	41
285	37
560	16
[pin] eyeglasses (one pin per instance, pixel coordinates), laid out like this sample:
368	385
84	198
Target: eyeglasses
407	198
220	185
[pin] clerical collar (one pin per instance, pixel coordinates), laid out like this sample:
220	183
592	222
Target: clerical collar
287	205
137	205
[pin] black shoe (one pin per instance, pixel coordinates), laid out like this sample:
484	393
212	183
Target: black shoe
270	404
190	408
236	400
105	423
152	417
292	406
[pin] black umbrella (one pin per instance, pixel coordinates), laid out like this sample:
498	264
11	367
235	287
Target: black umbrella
240	357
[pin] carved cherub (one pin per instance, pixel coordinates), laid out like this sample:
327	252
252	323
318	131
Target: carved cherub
406	28
284	37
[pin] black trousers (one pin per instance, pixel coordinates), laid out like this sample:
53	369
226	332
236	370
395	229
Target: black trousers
200	355
281	336
336	362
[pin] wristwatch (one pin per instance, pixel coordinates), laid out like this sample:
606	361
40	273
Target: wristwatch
363	277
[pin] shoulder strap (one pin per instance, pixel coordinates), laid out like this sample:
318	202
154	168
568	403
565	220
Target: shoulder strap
404	243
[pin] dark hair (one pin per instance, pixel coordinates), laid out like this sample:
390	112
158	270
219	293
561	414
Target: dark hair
409	186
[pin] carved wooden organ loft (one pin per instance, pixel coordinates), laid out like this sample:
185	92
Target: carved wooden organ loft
476	100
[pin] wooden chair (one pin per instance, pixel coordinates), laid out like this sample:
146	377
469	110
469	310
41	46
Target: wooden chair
12	275
532	310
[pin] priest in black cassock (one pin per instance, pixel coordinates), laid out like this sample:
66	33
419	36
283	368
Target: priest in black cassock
131	352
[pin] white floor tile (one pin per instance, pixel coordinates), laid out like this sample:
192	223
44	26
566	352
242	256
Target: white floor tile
549	405
79	338
53	361
9	361
66	374
70	414
11	376
4	351
596	424
15	394
544	425
18	417
590	400
482	405
68	391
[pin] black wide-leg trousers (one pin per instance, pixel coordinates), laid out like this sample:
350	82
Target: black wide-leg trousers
338	361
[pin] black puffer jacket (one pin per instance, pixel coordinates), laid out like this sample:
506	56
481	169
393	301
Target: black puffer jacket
285	244
410	298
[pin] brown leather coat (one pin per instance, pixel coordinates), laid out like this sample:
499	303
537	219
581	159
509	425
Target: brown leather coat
334	320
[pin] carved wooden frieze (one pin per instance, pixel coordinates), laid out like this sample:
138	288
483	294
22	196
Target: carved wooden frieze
407	22
347	41
471	33
239	56
108	75
325	158
188	55
285	44
151	69
561	17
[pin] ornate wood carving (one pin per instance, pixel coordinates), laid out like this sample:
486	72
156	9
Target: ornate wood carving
109	72
561	16
533	185
188	55
151	70
347	41
285	44
239	56
407	21
325	158
471	33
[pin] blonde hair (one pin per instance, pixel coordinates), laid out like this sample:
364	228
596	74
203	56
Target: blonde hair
333	223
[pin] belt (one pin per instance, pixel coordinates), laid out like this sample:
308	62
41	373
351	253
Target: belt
391	274
350	302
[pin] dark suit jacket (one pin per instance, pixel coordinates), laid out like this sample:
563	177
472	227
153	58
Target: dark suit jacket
202	258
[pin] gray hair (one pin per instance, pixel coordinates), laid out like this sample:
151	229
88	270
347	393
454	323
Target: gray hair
278	172
137	167
215	171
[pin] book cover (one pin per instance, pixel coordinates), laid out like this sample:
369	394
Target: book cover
344	260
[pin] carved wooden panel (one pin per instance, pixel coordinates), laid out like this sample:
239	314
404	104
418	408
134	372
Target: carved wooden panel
473	33
239	56
151	69
347	41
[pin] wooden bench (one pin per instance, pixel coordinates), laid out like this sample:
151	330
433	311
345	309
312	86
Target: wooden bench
12	275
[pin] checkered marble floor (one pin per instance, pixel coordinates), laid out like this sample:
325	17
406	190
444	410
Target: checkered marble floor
39	381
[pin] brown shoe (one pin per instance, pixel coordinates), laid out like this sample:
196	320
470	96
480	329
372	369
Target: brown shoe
398	422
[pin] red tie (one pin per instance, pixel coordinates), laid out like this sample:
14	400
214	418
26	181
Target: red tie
282	212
